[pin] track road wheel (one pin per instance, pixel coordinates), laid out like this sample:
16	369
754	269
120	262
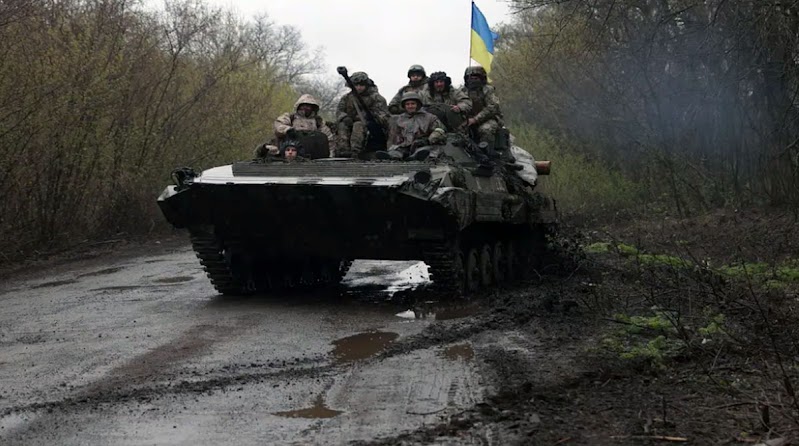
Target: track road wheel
446	266
472	265
486	266
511	264
218	266
499	264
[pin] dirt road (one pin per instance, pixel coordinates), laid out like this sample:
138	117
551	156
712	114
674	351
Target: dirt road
143	351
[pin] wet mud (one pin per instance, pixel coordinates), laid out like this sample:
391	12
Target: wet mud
55	283
317	411
178	279
102	272
249	355
460	352
361	346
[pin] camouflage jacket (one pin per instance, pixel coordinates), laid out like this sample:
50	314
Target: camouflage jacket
485	104
373	100
288	121
395	106
452	96
406	128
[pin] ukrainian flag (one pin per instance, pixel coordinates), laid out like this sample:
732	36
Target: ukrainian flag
482	47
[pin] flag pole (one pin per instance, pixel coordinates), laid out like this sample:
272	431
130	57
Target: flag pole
471	18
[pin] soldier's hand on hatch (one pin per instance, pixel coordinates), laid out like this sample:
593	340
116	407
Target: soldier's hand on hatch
471	122
456	109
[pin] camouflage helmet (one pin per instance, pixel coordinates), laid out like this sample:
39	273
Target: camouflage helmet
416	69
290	143
475	71
411	96
439	76
359	77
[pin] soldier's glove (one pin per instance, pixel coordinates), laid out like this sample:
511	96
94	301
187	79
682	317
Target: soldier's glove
291	133
347	121
438	137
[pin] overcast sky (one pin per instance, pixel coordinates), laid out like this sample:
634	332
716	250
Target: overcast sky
382	37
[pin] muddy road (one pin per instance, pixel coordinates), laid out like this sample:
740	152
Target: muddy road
143	351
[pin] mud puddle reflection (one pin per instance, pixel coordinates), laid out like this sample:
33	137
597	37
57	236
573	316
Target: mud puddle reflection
318	410
361	346
459	352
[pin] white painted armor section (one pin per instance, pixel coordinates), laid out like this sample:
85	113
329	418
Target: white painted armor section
224	175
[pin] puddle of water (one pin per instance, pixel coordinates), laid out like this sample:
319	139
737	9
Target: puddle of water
103	272
459	352
55	283
361	346
317	411
174	279
12	421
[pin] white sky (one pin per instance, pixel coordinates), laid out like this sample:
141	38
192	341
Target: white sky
382	37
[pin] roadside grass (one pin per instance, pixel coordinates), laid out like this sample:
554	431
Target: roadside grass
580	184
674	313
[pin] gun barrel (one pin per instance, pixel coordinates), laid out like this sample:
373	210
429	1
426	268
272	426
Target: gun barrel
543	167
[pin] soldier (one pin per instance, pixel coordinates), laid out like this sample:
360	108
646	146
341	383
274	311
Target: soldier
443	100
412	129
290	150
417	81
305	118
485	117
351	128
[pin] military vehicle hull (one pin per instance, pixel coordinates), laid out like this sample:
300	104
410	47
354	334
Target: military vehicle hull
260	225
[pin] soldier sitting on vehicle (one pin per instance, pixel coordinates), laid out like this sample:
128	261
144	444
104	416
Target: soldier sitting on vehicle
485	118
351	129
417	81
305	118
413	129
291	150
443	100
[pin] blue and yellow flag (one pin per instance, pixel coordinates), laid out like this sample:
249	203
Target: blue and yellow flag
482	47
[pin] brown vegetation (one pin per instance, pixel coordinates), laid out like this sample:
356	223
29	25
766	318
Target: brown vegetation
101	99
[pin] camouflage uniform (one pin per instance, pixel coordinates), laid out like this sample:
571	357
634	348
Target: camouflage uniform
440	103
410	127
395	107
485	105
351	131
296	121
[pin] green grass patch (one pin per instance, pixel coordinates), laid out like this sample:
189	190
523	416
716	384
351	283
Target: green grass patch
664	260
598	248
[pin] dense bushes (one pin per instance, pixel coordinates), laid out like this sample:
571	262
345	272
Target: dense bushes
695	101
100	100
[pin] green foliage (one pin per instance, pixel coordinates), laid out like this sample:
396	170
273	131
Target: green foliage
578	183
715	326
627	250
664	260
647	340
598	248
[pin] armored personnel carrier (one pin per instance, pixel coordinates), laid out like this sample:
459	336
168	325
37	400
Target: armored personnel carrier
268	224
